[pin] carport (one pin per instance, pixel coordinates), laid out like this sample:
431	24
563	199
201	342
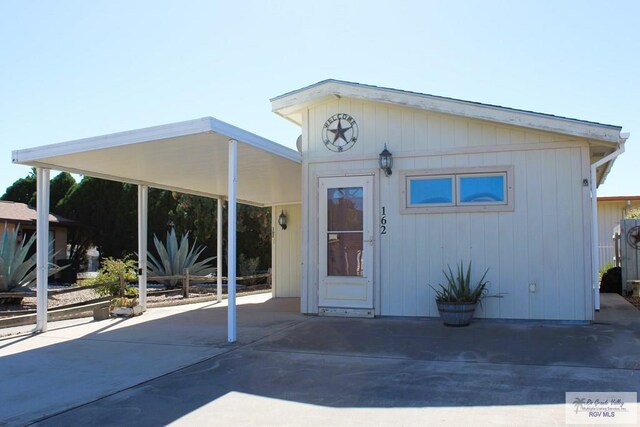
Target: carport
204	157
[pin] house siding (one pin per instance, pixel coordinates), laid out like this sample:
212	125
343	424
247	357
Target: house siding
541	241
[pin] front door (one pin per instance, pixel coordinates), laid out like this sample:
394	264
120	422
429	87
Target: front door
346	243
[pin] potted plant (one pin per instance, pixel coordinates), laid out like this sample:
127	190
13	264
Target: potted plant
125	307
457	300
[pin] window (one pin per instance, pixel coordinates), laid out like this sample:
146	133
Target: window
482	189
479	189
436	190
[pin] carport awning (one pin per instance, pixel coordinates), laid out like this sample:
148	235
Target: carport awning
188	157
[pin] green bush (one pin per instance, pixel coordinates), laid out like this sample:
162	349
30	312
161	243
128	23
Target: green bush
633	214
16	270
175	257
606	267
459	288
110	274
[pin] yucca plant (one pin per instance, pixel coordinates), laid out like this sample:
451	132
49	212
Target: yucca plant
16	270
459	288
175	257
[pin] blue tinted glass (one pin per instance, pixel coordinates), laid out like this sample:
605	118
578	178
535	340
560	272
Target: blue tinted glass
431	191
482	189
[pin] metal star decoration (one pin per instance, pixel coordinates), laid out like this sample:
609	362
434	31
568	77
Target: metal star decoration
339	132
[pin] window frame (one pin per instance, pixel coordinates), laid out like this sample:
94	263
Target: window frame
406	176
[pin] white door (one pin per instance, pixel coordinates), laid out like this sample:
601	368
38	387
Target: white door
346	242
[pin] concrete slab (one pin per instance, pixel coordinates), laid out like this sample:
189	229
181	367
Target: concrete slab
294	370
80	361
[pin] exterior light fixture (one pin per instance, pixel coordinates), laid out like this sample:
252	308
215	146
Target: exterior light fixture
386	161
282	220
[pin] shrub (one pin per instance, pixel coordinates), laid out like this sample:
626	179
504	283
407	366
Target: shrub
124	302
16	270
110	274
175	257
606	267
633	214
458	288
248	267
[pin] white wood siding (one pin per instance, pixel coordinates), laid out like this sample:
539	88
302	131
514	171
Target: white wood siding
610	213
542	241
286	252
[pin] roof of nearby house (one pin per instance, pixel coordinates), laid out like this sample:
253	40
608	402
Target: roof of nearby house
15	212
290	104
617	198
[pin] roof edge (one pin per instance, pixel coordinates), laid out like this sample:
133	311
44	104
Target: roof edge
290	102
28	156
617	198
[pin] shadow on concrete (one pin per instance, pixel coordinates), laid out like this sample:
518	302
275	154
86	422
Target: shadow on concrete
71	365
356	363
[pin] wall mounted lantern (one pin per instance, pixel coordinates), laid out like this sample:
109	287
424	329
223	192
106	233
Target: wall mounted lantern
386	161
282	220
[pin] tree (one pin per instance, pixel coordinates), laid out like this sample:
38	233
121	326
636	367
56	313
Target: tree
107	211
60	185
23	190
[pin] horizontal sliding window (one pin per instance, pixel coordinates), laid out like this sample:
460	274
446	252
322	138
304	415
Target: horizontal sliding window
480	189
437	190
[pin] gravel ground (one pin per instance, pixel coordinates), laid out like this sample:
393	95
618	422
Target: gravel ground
196	294
634	300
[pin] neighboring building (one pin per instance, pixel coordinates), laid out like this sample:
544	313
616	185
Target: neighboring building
611	210
14	214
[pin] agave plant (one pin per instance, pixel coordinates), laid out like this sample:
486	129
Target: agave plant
16	270
175	257
459	287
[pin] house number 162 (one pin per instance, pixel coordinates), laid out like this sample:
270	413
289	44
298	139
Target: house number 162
383	221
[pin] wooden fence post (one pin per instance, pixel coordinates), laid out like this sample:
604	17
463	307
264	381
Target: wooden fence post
121	284
185	284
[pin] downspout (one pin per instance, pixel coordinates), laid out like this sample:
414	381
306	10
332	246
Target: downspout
595	254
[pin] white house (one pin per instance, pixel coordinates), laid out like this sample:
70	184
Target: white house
506	189
612	210
511	191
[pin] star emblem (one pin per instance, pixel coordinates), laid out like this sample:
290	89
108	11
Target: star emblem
339	132
633	237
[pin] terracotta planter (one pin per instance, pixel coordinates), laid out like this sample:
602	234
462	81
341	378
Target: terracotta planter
456	313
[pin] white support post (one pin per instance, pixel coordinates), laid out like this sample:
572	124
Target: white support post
143	207
219	252
595	256
231	241
42	248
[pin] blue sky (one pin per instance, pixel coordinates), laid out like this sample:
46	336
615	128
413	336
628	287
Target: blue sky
74	69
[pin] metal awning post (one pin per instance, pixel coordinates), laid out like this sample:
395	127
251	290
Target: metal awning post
231	241
143	207
42	247
219	252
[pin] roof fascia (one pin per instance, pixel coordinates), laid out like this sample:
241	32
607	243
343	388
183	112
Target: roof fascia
172	130
292	102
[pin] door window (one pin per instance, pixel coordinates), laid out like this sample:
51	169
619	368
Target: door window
345	231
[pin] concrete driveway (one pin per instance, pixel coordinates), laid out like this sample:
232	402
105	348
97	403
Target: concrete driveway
173	365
